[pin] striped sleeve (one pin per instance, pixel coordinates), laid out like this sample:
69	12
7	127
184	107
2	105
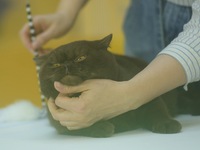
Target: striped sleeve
186	47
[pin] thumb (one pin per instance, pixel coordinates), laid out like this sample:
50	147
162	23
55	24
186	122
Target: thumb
69	89
42	38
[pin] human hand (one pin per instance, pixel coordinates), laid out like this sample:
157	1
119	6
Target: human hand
99	100
47	27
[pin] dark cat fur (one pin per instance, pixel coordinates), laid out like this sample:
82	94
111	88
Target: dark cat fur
75	62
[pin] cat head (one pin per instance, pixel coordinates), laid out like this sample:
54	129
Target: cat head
78	61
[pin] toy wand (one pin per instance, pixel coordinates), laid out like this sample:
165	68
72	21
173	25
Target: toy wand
33	34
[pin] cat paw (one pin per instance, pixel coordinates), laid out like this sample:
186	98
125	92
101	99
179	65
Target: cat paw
98	130
166	126
103	129
195	111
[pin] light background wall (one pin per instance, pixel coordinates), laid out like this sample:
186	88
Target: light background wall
17	70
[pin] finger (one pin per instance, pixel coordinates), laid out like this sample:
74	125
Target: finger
67	123
54	110
26	40
59	113
42	51
25	37
69	89
71	125
40	40
67	103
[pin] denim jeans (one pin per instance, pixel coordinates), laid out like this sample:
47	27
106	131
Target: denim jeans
150	25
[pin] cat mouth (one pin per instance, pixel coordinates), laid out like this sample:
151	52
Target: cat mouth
71	80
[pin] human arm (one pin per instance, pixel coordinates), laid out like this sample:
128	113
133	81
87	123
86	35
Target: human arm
52	25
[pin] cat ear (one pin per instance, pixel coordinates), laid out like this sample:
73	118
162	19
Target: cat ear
39	60
105	42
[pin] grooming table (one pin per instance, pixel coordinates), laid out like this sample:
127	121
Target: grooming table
39	135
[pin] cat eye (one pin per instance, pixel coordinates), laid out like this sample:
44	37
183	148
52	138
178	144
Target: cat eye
81	58
55	65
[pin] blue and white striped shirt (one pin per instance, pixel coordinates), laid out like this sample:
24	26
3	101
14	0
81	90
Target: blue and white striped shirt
186	47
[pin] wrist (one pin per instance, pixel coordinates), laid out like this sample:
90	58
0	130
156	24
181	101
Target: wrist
160	76
133	95
127	97
71	7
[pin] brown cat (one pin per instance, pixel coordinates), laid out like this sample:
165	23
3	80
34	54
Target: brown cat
73	63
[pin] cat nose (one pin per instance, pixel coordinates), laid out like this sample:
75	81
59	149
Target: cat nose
67	65
66	70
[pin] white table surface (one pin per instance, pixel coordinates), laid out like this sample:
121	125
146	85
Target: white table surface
39	135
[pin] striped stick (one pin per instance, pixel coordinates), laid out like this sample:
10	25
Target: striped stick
32	33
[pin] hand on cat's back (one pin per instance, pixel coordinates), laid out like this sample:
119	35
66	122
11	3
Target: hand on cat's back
90	106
